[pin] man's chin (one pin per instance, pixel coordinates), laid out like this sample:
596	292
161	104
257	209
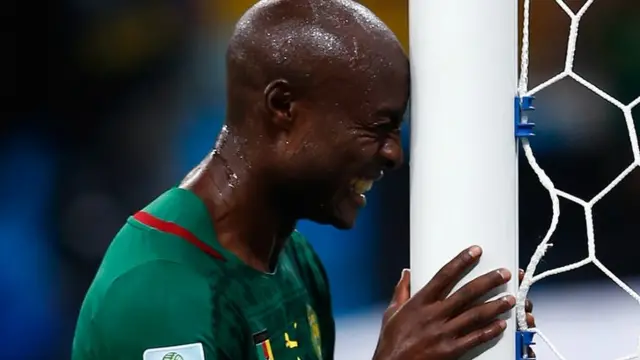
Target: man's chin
343	224
339	220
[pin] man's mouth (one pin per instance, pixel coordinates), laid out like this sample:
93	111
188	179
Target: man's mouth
360	186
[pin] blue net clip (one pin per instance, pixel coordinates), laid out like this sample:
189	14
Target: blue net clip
524	339
523	129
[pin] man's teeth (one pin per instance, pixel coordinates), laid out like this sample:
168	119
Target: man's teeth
362	186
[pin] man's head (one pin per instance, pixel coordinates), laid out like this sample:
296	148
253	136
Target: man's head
317	89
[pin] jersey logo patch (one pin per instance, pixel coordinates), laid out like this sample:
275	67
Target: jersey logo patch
193	351
315	331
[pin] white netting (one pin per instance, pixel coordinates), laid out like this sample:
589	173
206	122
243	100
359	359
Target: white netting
530	276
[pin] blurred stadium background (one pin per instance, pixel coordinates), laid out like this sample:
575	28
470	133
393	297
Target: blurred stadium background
108	103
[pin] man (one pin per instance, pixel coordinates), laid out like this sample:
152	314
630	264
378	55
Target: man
213	269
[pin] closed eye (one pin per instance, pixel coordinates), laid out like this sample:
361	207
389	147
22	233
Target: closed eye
391	119
388	127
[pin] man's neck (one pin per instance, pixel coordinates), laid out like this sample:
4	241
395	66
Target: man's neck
246	220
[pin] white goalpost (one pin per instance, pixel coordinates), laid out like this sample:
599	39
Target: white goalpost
463	183
463	168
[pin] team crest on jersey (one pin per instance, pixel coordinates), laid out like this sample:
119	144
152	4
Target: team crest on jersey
193	351
315	331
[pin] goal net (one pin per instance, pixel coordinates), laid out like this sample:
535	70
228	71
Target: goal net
575	11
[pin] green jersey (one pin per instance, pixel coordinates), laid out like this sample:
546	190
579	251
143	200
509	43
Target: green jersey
167	290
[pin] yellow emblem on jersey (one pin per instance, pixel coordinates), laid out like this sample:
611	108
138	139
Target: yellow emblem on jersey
290	344
315	331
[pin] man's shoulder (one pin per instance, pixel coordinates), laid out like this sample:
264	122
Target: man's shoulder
161	292
138	251
158	284
175	227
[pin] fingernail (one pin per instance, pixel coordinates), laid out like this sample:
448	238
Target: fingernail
475	251
405	272
506	274
510	300
502	324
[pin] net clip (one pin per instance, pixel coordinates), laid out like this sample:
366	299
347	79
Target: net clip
523	128
524	339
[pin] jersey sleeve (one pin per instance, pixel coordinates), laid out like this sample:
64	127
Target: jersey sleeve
161	308
318	286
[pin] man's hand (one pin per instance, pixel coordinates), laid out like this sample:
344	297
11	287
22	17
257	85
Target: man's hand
433	326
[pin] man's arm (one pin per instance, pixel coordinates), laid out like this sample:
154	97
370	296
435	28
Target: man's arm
161	308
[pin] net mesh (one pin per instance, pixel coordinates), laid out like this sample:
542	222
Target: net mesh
555	194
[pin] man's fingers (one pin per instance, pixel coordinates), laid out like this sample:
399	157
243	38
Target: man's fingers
401	294
520	275
531	321
467	342
479	316
528	306
447	277
402	291
476	288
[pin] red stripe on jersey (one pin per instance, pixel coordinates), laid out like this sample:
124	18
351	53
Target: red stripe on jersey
175	229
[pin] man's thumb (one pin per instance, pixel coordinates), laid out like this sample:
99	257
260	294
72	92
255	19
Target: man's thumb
402	291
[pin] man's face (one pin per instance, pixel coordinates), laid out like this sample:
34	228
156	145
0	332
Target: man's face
346	142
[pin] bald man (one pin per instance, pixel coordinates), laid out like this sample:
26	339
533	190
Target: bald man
214	269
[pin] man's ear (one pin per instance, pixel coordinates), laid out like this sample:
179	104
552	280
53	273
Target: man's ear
279	102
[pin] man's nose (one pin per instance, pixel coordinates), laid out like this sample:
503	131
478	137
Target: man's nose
391	153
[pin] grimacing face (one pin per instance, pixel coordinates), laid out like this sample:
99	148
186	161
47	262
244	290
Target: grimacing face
345	142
